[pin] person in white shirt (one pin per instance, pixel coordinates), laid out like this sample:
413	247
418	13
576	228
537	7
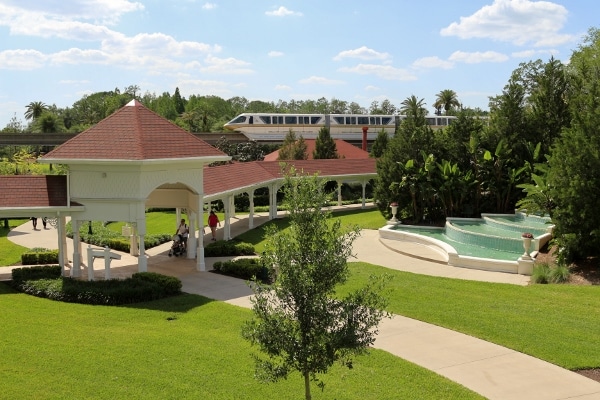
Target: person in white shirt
183	232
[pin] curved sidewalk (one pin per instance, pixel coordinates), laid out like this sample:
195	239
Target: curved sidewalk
493	371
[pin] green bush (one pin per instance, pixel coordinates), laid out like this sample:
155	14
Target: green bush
559	274
35	273
243	268
225	248
38	256
544	273
47	282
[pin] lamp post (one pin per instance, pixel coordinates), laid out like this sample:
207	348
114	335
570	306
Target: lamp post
90	228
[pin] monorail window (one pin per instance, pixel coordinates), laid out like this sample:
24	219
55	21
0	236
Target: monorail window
239	120
363	120
430	121
340	120
265	120
291	120
278	119
314	120
351	120
302	120
386	120
374	120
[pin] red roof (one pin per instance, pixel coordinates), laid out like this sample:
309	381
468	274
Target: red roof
133	133
20	191
344	150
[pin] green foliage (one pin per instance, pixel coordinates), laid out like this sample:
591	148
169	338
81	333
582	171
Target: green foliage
380	144
324	145
293	148
574	174
142	286
222	248
244	268
35	273
297	324
39	256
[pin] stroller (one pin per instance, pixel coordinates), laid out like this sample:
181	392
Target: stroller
178	247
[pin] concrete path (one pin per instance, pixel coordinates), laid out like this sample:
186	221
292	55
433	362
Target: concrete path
488	369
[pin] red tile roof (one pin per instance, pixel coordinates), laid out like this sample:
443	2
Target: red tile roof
133	133
29	191
229	177
23	191
344	150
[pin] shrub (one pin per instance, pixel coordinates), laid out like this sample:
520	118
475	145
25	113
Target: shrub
39	256
47	282
541	273
559	274
35	273
243	268
545	273
225	248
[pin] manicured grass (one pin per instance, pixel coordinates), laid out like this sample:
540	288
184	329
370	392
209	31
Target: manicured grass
556	323
11	253
365	219
187	347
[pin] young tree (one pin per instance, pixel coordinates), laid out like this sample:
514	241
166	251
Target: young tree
325	145
298	324
292	148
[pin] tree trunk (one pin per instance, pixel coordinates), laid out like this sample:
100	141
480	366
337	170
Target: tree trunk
307	395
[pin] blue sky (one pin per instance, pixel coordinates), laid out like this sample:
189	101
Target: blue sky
56	51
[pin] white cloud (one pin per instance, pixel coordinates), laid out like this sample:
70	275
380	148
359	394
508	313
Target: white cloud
382	71
209	6
22	59
319	80
283	87
477	57
530	54
371	88
275	53
226	66
283	12
363	53
432	62
516	21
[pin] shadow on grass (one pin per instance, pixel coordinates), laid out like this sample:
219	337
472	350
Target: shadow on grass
180	304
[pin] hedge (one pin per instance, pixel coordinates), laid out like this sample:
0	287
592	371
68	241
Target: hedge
45	281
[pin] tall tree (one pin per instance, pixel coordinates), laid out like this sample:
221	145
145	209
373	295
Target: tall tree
325	147
35	109
446	99
414	109
298	324
574	174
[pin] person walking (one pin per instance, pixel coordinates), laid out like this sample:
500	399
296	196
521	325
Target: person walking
34	222
44	221
213	222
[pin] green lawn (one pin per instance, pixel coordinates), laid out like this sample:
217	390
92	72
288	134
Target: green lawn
556	323
187	347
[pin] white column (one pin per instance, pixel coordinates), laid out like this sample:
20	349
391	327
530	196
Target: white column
76	270
251	214
191	242
227	218
142	260
200	263
62	249
62	223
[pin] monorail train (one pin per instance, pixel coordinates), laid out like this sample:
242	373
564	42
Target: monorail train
274	126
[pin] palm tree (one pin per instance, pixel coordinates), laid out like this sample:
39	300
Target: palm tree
35	109
447	99
413	107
